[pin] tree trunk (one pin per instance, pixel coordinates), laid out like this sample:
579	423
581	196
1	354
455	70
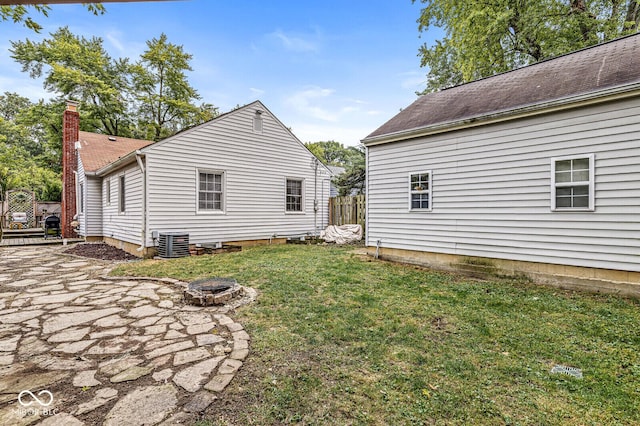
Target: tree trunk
631	20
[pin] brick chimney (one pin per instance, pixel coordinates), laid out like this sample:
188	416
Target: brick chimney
70	135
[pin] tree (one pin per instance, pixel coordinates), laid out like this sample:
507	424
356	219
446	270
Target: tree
150	99
166	99
80	69
20	13
332	153
354	177
27	157
24	124
19	170
488	37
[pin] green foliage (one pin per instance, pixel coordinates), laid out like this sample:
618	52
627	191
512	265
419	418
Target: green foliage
19	170
354	177
20	13
485	38
28	159
80	68
332	153
167	101
150	99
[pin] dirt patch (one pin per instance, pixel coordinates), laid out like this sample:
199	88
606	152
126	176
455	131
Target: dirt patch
100	251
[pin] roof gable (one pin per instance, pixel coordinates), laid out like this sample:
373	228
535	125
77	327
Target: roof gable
588	71
98	150
253	106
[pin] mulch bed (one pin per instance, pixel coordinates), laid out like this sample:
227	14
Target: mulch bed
100	251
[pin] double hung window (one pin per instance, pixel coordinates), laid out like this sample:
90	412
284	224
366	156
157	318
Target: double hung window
420	191
572	185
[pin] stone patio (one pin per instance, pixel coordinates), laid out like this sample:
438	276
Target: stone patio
112	351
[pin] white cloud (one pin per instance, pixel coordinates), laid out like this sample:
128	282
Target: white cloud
113	37
350	136
413	80
118	46
306	102
296	42
32	89
255	93
320	114
349	109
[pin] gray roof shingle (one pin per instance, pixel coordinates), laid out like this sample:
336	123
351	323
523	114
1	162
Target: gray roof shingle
591	70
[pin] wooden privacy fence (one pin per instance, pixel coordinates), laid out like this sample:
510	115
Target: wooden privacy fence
347	210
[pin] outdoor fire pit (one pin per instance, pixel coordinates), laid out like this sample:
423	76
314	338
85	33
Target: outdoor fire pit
212	291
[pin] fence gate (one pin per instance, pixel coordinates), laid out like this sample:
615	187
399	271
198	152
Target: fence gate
22	201
347	210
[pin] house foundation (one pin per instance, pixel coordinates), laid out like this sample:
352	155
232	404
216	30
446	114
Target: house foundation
150	252
595	280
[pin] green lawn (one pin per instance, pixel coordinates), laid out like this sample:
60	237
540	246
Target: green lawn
338	338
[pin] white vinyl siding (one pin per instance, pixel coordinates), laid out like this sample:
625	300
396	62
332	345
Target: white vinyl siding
494	185
90	219
127	225
255	170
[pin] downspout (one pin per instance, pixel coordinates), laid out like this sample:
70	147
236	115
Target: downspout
143	230
315	198
75	179
366	196
324	206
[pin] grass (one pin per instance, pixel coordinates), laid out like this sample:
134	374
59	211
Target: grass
340	339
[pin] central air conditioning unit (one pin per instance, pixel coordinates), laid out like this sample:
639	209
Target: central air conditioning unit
173	244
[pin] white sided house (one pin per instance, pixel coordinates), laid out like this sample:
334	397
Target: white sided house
241	178
531	172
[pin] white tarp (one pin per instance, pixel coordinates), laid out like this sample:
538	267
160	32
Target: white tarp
342	234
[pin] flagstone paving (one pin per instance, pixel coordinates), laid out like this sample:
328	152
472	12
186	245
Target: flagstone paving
112	351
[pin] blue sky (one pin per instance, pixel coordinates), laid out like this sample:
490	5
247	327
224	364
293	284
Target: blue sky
329	70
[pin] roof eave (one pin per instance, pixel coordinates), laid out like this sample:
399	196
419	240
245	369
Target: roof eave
118	164
618	92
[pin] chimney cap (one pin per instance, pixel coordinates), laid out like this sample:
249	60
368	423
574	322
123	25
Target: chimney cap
72	105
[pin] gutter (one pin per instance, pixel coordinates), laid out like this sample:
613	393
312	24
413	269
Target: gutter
143	224
119	163
76	181
619	92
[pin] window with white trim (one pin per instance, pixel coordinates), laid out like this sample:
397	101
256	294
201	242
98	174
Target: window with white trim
121	194
420	191
81	198
294	195
210	191
572	183
108	191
